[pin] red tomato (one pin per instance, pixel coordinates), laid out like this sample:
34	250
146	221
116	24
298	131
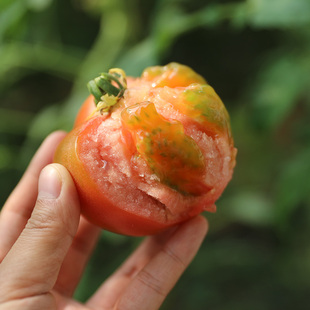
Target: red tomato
86	111
148	153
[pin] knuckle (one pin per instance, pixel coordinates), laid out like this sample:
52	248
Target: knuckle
42	218
168	251
151	282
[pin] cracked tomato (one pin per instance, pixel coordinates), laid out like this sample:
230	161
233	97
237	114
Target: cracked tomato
150	152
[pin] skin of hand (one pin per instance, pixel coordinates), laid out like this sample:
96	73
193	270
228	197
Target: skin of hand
45	245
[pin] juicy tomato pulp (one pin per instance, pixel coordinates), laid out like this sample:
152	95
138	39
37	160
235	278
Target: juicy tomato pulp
160	155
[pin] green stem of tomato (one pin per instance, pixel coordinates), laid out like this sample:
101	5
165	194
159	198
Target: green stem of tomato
111	84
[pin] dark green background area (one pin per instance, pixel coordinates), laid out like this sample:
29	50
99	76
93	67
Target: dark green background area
255	53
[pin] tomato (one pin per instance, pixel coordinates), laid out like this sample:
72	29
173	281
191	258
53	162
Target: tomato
150	152
86	111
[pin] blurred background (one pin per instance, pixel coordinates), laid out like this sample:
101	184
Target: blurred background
255	53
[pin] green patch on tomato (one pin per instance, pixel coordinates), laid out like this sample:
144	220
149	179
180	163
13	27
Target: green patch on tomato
173	156
201	103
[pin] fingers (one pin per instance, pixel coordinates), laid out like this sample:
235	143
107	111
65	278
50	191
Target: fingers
149	275
153	283
17	209
73	266
109	292
31	267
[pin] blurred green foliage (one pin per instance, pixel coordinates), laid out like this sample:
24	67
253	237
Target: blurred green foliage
255	53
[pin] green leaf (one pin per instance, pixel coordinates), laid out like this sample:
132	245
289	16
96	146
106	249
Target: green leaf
278	88
249	207
10	13
293	187
6	156
138	57
173	21
278	13
57	60
14	121
38	5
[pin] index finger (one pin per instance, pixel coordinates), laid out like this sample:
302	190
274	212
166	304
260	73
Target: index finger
146	278
153	283
18	207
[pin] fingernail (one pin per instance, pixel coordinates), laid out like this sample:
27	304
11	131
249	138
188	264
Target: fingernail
50	183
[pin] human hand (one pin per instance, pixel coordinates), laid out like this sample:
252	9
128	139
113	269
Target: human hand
45	245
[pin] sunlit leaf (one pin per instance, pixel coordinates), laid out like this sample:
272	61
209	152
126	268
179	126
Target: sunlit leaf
38	5
277	90
278	13
251	208
137	58
10	13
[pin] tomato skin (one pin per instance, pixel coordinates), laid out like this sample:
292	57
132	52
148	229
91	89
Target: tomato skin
86	111
94	204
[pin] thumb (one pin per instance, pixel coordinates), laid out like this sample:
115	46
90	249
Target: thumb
31	267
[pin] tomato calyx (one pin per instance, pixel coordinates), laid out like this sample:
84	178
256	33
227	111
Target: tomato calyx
108	88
